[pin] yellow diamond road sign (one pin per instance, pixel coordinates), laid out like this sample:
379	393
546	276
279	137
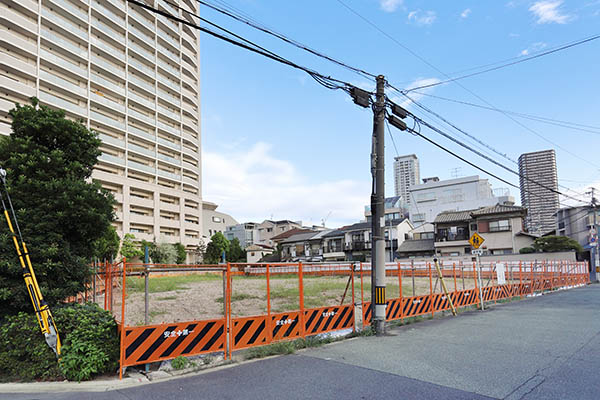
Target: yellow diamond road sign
476	240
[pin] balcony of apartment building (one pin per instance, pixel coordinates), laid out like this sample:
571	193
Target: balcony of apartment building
458	234
357	246
333	249
391	244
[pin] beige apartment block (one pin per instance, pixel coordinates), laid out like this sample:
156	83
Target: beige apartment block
133	77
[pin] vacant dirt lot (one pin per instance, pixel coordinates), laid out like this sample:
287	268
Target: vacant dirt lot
177	297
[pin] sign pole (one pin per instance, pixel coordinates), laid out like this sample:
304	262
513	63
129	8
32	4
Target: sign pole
479	280
476	241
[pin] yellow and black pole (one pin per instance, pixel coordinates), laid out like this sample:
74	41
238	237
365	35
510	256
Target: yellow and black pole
42	311
441	275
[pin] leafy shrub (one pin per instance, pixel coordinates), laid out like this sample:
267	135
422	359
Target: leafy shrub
527	250
180	362
89	338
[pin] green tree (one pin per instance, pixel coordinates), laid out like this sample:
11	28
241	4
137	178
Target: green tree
164	253
236	253
214	249
129	249
181	253
49	160
107	247
556	243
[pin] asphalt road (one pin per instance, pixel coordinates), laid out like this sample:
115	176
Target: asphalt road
547	347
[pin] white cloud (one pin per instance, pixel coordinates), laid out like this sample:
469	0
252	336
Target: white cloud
465	13
547	12
404	102
390	5
422	18
252	184
513	35
533	48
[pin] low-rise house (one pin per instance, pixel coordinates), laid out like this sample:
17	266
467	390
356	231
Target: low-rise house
256	252
333	245
298	247
501	226
413	248
269	229
357	241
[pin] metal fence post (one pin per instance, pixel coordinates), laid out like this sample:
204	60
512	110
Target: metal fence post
122	341
94	281
301	298
269	327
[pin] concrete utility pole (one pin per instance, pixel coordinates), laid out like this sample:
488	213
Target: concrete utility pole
377	212
595	254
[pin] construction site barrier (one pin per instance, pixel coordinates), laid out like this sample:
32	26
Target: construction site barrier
419	292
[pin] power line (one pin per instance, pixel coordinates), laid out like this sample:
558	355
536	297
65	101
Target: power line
515	121
473	137
546	120
417	133
248	21
479	153
541	54
456	82
326	81
446	135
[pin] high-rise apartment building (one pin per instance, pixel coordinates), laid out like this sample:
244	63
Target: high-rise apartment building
539	190
131	76
406	173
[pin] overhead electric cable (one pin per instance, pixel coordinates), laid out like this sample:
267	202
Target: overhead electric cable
417	133
327	81
426	109
473	137
518	123
538	55
450	137
546	120
456	82
248	21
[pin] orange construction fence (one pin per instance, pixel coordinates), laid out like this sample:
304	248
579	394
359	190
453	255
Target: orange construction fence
419	293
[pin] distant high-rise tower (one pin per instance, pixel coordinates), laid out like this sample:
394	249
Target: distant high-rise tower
406	173
539	186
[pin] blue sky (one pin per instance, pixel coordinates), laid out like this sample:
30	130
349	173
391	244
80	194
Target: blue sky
277	144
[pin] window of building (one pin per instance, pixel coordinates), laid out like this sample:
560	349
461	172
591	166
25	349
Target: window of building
358	237
216	219
561	225
499	226
473	227
501	251
425	197
419	218
269	229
